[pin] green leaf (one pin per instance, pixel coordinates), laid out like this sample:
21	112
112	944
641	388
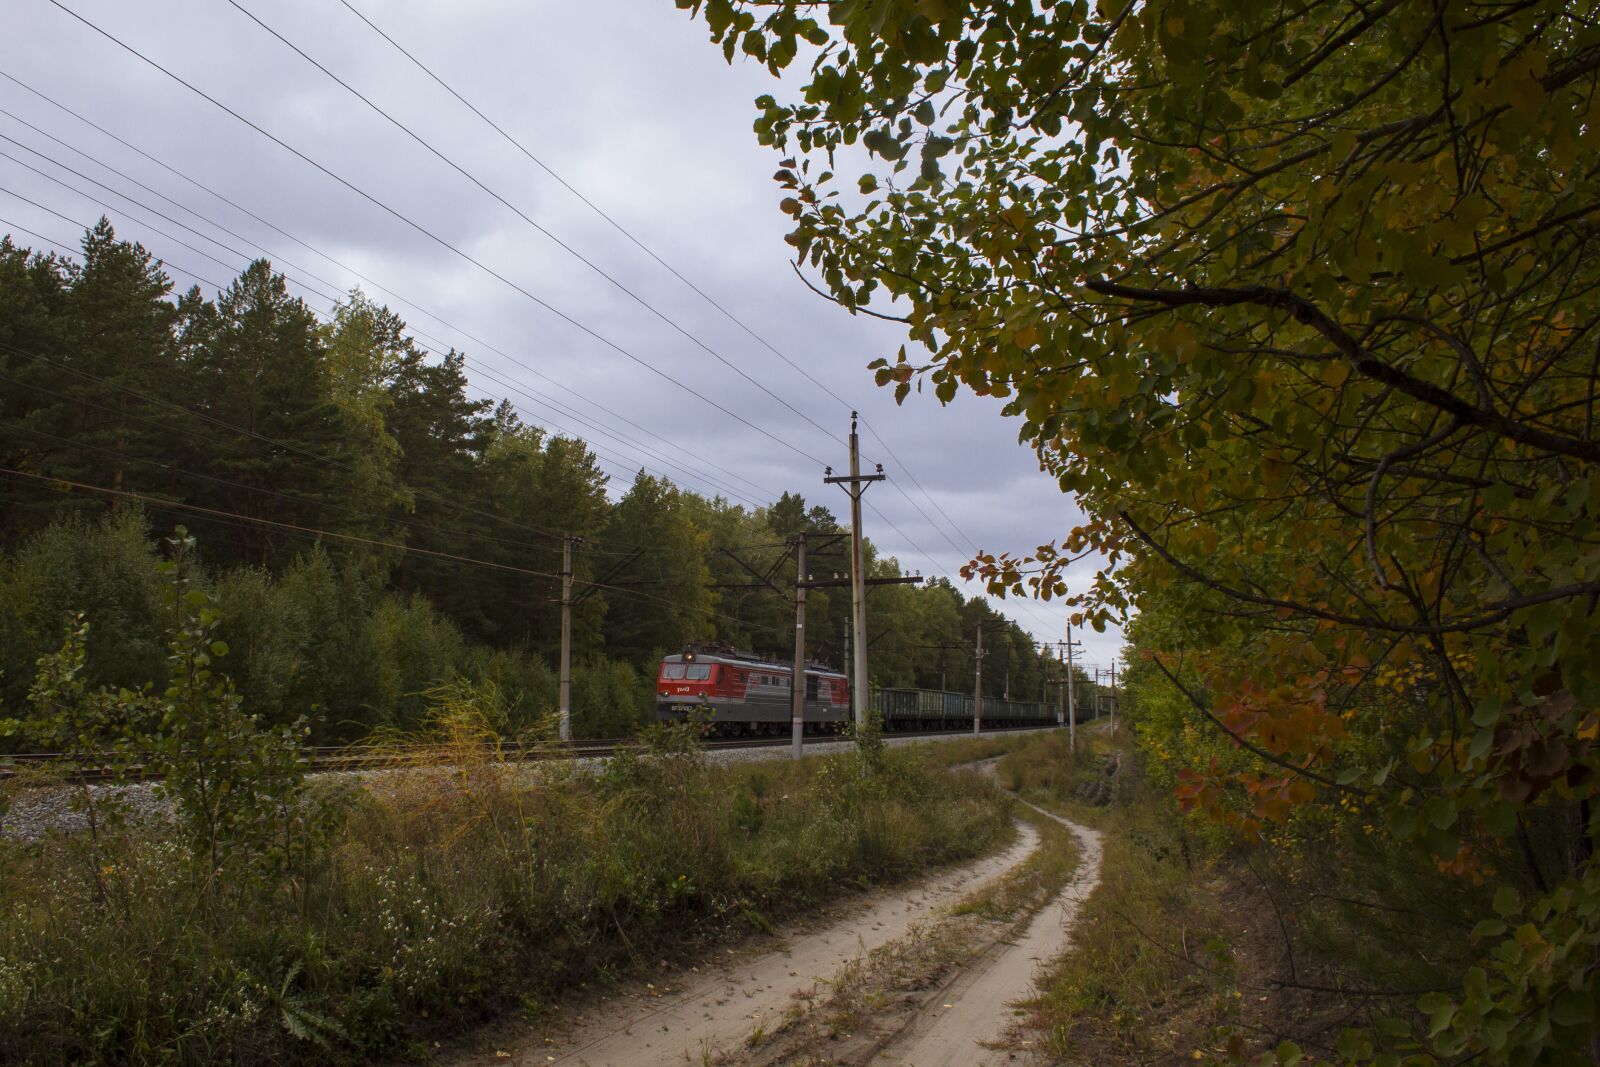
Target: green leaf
1507	902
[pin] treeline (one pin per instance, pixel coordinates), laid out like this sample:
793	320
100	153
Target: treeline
368	528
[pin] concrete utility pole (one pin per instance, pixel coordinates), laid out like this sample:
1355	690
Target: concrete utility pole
566	638
856	484
977	696
1061	688
1113	698
797	714
1072	703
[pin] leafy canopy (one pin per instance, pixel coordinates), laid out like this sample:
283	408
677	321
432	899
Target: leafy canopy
1299	301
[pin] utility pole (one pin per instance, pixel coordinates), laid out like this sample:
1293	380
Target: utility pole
857	484
977	697
1061	688
1113	698
566	637
1072	703
797	714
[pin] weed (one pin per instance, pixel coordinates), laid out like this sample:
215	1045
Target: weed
442	887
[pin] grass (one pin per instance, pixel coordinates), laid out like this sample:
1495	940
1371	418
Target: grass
875	996
1200	948
1148	977
434	893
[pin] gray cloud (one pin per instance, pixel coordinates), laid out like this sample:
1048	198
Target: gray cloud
630	104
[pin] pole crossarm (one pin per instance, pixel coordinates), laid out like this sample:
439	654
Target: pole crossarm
825	583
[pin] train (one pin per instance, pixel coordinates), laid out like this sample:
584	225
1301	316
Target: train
742	693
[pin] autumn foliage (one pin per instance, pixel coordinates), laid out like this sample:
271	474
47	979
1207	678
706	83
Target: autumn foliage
1299	304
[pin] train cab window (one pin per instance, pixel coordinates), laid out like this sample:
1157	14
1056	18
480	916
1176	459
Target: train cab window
672	671
698	672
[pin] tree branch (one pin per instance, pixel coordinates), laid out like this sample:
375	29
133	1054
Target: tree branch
1361	361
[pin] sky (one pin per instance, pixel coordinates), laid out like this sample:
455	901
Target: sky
632	107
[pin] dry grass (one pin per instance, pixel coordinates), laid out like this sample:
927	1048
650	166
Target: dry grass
1193	949
875	997
440	890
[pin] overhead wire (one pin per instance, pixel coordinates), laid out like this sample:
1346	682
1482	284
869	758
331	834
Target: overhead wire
332	296
312	455
680	276
384	518
564	246
66	484
441	241
68	249
432	236
404	301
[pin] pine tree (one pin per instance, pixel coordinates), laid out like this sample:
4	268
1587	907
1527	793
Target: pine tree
32	295
255	362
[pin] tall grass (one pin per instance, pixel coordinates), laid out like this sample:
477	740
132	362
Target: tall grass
447	892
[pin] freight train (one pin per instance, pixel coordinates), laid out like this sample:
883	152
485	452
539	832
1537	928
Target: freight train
742	693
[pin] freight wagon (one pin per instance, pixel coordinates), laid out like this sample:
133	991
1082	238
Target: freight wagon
742	693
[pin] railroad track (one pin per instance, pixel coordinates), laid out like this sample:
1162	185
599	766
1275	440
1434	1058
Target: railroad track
352	758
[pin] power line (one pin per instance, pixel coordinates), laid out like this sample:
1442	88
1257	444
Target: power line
471	259
646	249
222	423
69	248
573	252
334	299
721	308
442	242
413	305
66	485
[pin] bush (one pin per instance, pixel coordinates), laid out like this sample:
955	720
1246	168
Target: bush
610	699
445	887
413	646
105	570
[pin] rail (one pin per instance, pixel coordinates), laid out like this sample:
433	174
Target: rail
353	758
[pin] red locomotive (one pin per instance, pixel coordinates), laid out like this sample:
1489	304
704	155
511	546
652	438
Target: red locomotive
744	692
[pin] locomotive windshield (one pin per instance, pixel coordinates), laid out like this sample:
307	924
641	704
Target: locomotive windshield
698	672
672	671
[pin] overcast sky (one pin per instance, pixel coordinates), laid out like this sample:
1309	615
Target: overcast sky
629	103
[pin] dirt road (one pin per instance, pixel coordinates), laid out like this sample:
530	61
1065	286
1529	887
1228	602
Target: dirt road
972	1013
721	1007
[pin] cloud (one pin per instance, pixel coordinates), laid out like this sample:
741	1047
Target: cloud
630	104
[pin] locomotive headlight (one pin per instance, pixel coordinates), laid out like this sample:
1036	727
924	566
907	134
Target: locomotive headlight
688	655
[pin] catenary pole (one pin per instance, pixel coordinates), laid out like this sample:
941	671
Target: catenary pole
1072	703
1113	698
977	687
1061	688
797	694
566	638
